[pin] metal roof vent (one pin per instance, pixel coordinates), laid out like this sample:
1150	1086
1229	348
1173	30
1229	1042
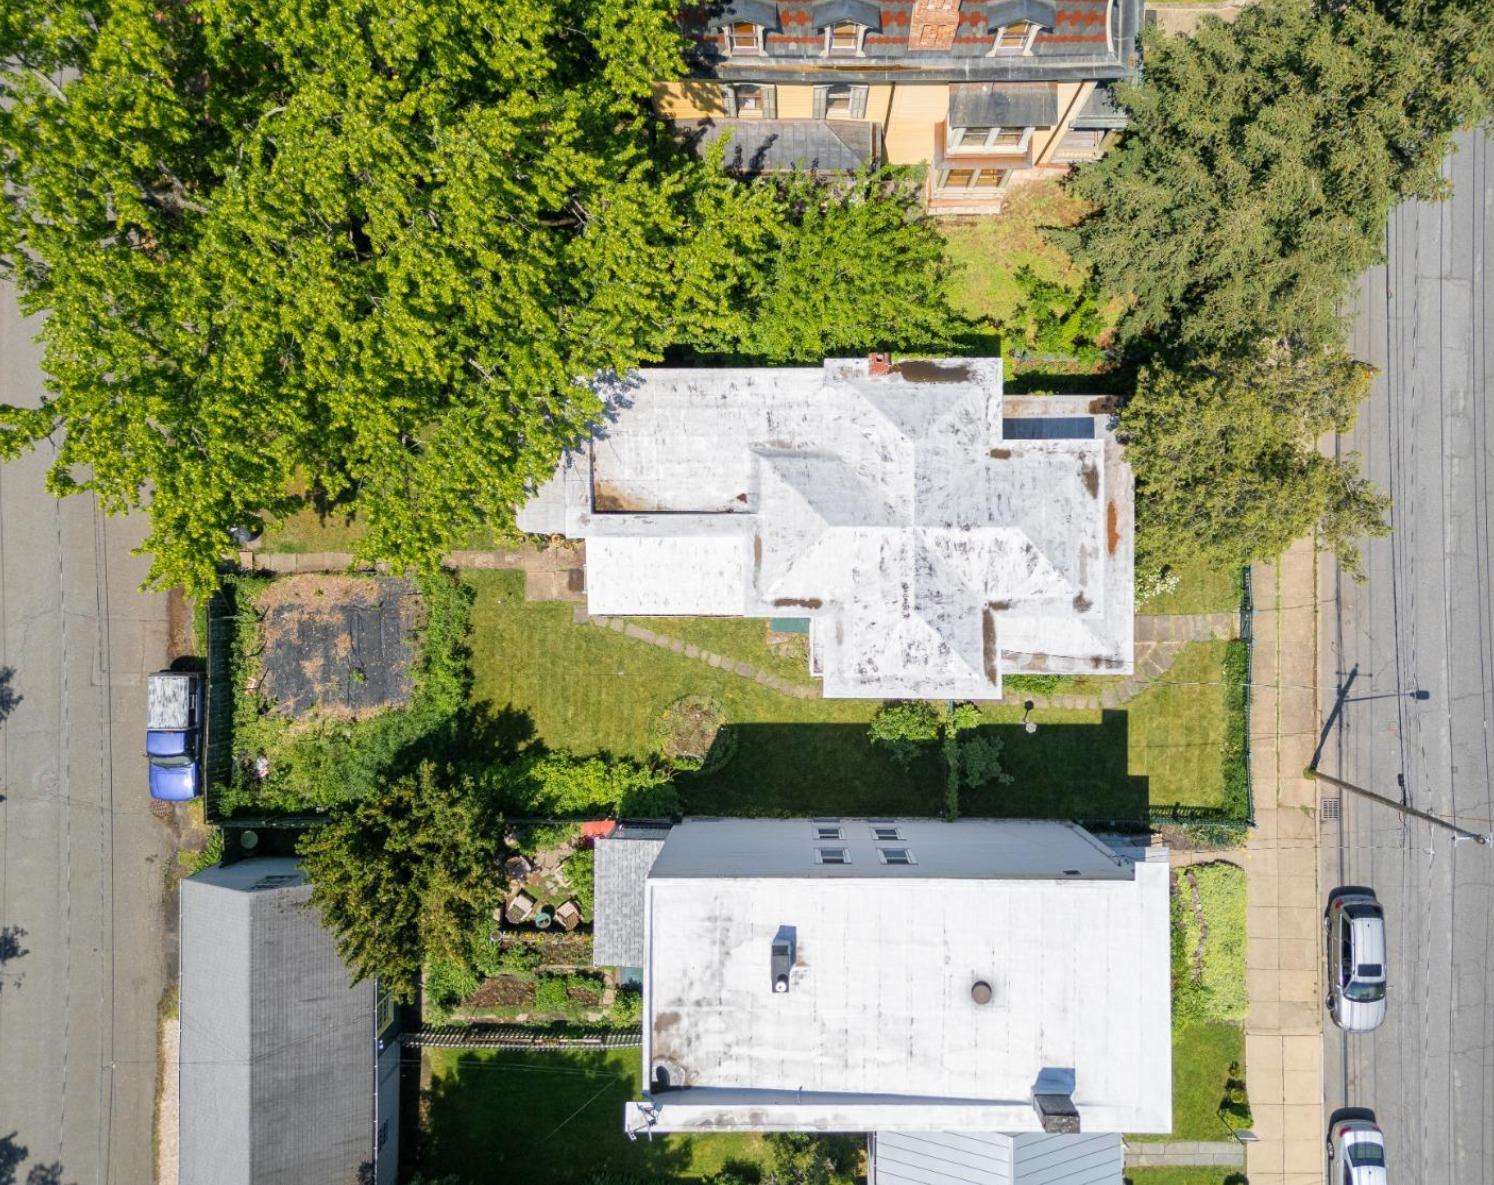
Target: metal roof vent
980	992
784	944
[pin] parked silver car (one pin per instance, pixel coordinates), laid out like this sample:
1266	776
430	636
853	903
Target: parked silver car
1356	1148
1354	925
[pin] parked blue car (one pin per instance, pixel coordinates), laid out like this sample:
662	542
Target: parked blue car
173	734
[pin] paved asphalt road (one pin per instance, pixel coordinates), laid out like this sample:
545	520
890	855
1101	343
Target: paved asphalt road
83	955
1424	622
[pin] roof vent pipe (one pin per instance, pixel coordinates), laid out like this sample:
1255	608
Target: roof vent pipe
878	364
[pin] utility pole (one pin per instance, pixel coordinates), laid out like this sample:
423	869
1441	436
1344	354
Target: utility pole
1435	820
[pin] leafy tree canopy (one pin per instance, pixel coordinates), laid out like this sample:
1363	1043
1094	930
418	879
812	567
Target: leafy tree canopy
405	875
1263	157
362	248
1226	452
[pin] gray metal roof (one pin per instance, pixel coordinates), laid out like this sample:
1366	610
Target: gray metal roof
1101	110
835	12
1003	105
1001	13
757	12
622	863
969	1158
277	1051
778	145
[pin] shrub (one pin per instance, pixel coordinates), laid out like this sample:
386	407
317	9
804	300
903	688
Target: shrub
550	994
1234	753
580	871
1208	943
627	1007
689	735
562	784
447	985
903	728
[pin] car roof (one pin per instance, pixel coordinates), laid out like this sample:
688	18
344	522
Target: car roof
1369	939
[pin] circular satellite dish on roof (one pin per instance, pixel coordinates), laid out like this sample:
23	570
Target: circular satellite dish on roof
980	992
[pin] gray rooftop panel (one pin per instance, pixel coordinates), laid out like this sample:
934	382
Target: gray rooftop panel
778	145
277	1051
1003	105
622	863
974	1158
1101	111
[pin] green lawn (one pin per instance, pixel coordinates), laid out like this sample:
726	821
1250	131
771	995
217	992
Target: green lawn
1201	589
987	252
556	1119
593	690
1178	728
1201	1057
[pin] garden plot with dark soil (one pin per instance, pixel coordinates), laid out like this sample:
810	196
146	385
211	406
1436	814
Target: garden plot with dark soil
338	646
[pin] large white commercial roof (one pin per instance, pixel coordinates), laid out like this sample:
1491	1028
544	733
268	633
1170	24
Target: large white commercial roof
934	533
880	1029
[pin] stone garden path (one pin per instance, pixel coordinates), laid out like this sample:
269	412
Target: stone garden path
1182	1153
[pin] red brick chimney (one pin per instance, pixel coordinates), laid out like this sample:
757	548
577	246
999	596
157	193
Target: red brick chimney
932	24
878	364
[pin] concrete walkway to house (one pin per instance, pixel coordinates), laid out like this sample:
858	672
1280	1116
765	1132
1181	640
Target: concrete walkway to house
550	573
1283	915
1144	1154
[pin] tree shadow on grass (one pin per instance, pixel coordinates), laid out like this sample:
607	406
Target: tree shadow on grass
552	1118
1066	771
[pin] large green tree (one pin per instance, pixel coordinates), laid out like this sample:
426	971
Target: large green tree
1263	156
1225	452
357	248
406	875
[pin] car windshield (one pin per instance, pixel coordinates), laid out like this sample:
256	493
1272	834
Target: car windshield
1364	993
170	762
1367	1152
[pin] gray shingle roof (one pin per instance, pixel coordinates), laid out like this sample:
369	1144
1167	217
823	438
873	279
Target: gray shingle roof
964	1158
277	1051
622	863
1003	105
777	145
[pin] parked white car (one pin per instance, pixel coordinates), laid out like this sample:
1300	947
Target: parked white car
1356	1148
1354	925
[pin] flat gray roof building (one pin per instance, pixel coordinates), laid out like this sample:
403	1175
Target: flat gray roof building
935	534
287	1075
904	975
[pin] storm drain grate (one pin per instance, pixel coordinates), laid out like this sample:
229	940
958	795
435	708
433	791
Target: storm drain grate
1331	808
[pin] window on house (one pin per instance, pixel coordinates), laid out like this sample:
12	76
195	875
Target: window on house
752	101
956	181
832	856
1016	38
844	40
838	101
743	37
988	137
886	834
828	833
896	855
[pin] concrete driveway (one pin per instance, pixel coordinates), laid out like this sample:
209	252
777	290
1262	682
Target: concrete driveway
1411	653
83	955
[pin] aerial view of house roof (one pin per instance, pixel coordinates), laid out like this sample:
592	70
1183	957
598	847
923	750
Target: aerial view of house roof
904	975
282	1080
935	534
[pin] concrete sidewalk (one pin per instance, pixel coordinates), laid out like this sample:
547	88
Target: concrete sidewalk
1283	915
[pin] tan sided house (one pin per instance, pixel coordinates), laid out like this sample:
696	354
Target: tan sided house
988	94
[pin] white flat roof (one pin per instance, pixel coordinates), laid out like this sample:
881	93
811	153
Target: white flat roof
937	533
879	1028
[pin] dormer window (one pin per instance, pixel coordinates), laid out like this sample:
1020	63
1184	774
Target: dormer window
743	38
1015	38
844	40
